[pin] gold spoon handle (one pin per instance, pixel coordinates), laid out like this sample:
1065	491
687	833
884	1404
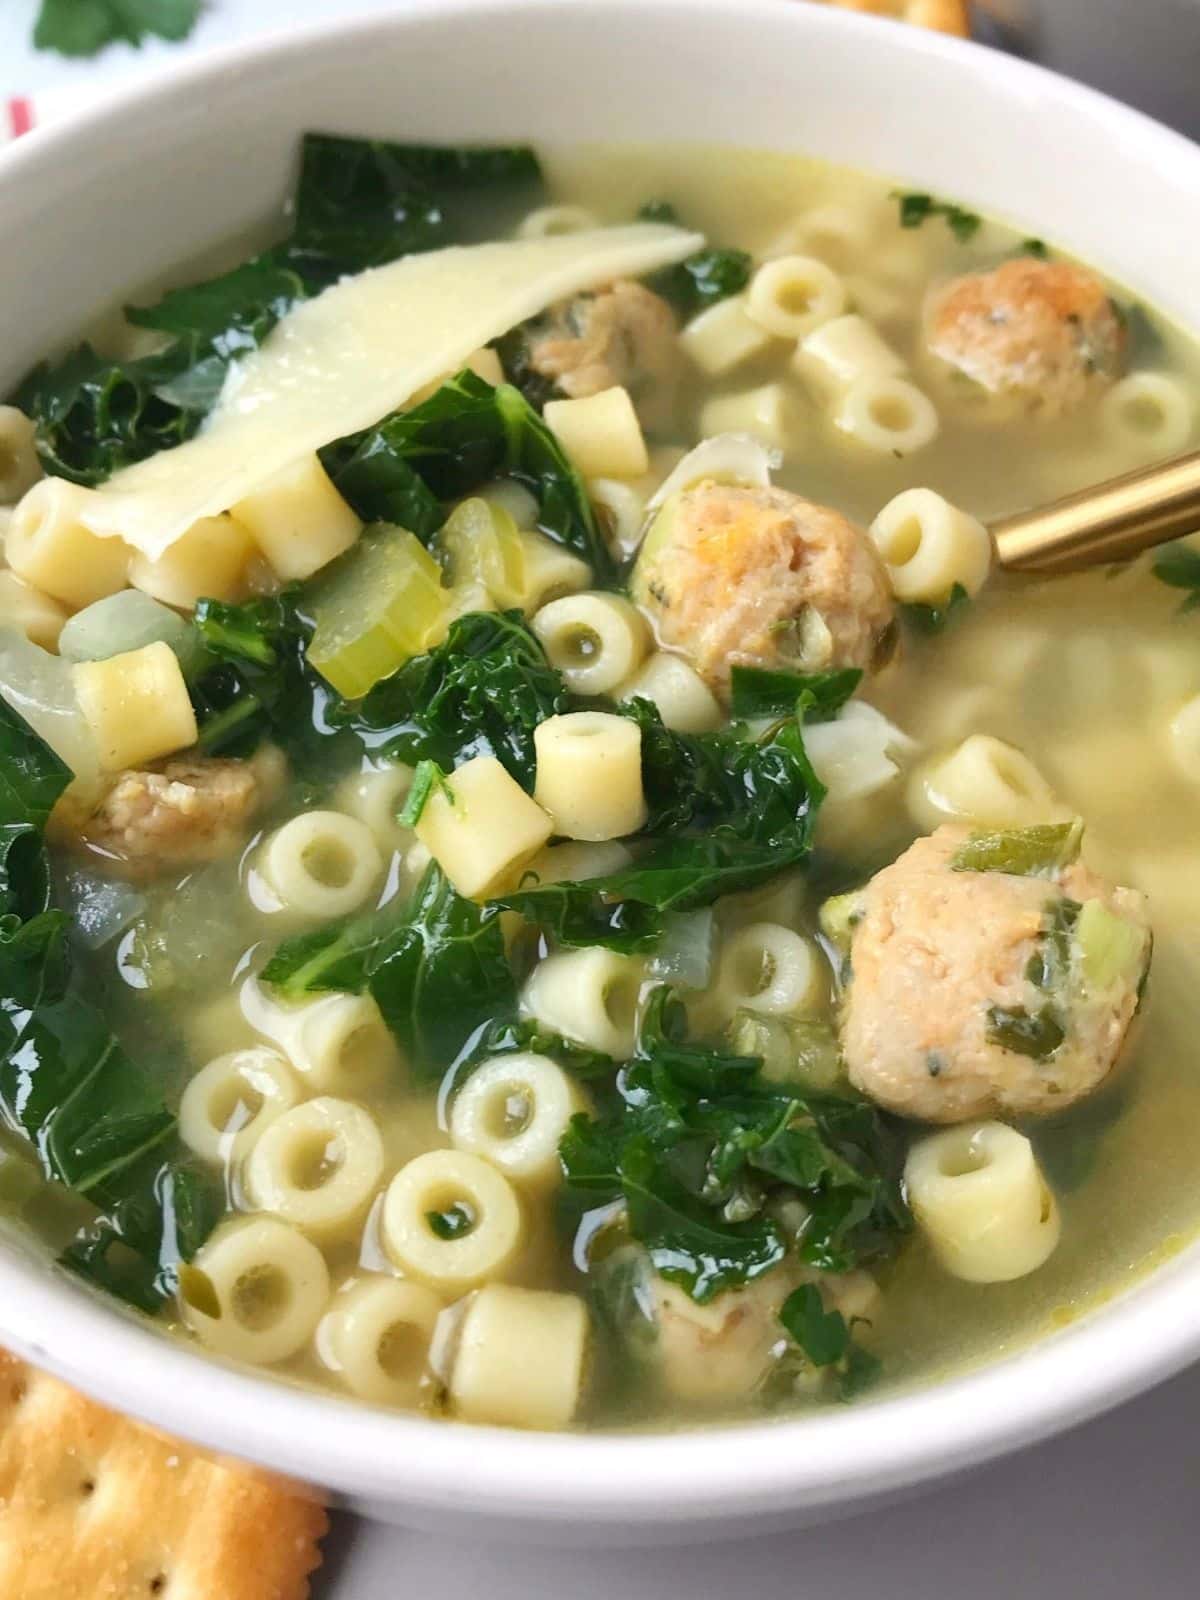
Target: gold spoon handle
1109	522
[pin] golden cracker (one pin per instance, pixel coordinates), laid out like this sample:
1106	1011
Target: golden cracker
96	1507
945	16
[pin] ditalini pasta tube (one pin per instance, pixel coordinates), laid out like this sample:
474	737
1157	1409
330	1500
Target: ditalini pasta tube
589	775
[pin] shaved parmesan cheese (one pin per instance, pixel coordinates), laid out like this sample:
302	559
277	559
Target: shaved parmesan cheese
343	360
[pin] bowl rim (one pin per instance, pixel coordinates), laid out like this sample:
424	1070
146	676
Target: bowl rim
841	1457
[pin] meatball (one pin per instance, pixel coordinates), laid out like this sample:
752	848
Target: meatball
194	809
762	578
1044	335
988	993
624	335
721	1353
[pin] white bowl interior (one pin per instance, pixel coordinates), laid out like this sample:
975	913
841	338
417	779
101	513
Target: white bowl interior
124	194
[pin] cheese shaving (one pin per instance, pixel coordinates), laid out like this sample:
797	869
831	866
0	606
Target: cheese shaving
344	360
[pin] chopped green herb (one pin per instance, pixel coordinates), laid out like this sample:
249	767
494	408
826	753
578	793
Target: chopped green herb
935	619
658	211
1026	1033
1179	566
824	1339
426	778
452	1223
761	692
1039	851
1038	248
917	208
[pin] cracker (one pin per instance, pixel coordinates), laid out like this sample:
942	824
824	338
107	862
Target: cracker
946	16
95	1507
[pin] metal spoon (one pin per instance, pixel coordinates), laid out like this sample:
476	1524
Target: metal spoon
1111	521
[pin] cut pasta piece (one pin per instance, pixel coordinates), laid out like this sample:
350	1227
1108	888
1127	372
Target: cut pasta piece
379	1331
298	519
1150	413
320	864
685	702
481	827
836	232
771	413
600	433
723	337
20	468
136	705
38	616
842	351
339	1043
930	547
889	416
317	1166
985	780
549	222
514	1110
507	495
1184	733
589	775
452	1220
255	1291
792	295
978	1194
520	1358
375	797
230	1103
588	995
49	545
768	968
209	562
595	640
622	511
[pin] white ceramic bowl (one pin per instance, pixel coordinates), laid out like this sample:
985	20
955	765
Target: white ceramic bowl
118	196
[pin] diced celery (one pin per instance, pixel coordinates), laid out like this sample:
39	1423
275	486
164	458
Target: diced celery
752	1034
837	919
817	1057
1023	852
483	546
126	621
685	952
380	604
659	534
1110	948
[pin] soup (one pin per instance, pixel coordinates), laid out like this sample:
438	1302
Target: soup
545	880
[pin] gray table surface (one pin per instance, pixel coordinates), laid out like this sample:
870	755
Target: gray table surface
1108	1511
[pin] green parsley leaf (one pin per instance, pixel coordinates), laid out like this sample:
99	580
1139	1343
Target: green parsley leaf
85	27
916	208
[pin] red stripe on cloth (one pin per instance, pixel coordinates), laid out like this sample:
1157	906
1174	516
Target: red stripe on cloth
20	116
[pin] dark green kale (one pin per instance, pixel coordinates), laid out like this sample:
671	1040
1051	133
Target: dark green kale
763	692
824	1340
698	1151
917	208
263	687
703	279
724	813
363	202
85	27
481	692
94	1117
1179	566
437	968
463	436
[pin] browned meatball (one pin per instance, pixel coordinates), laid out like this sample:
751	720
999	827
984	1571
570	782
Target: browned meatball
624	335
977	993
760	577
1043	335
194	809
